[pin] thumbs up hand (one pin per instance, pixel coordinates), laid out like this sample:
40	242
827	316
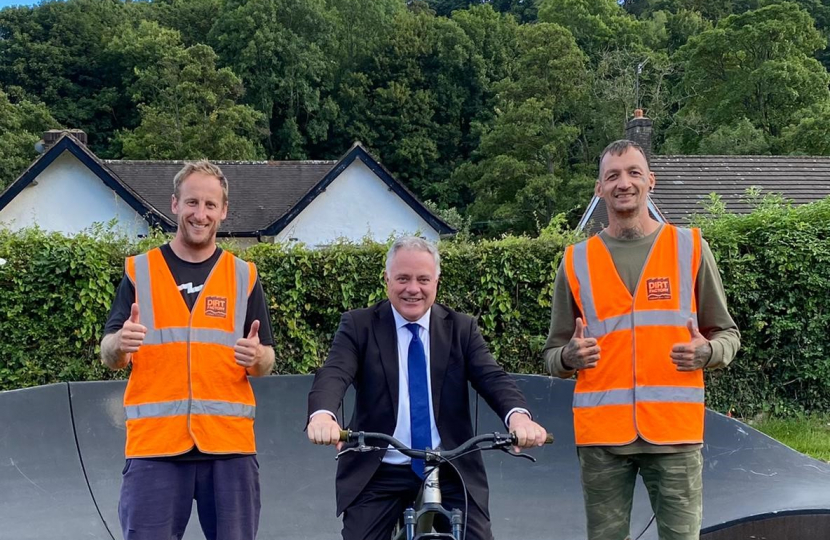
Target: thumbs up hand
247	350
693	354
580	352
131	335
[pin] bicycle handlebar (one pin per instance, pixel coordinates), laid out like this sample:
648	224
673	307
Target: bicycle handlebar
498	440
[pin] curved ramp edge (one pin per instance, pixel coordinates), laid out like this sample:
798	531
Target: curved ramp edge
45	493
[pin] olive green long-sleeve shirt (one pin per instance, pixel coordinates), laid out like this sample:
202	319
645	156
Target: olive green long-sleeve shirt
629	256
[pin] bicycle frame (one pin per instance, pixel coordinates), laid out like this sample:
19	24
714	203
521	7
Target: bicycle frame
418	519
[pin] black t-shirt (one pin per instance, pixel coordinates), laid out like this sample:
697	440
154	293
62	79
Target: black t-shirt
190	278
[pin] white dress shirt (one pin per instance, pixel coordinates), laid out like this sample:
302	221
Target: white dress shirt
403	431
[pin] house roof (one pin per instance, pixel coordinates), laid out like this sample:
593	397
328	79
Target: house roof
260	192
265	196
68	143
358	152
685	182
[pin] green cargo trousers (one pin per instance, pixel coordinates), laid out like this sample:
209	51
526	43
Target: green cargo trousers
674	483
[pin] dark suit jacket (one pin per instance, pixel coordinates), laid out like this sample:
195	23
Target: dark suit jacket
364	353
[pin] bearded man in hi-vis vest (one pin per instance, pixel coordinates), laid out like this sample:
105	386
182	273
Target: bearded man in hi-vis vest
638	313
192	322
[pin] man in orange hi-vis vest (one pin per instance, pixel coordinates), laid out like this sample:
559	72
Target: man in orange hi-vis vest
638	313
192	322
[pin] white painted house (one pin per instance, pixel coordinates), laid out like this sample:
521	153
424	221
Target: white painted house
69	189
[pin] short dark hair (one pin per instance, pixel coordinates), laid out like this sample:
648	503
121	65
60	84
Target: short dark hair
618	148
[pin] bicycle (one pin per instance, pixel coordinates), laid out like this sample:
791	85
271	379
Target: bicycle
416	523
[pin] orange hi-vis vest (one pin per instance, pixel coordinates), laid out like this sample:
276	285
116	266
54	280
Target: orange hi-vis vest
635	388
185	388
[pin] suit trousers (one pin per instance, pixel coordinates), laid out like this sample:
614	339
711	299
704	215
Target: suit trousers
392	489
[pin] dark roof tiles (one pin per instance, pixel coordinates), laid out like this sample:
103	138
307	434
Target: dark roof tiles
685	182
259	192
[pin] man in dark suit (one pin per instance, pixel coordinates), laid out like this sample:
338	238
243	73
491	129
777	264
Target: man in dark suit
410	361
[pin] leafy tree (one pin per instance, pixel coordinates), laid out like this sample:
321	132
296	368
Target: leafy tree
521	10
359	30
414	99
520	176
52	54
738	138
673	29
192	18
22	123
597	25
712	10
616	90
188	108
808	134
278	49
758	65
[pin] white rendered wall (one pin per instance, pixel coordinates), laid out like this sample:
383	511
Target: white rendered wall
356	205
69	198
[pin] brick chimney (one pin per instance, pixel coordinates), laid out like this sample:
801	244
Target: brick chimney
51	137
638	129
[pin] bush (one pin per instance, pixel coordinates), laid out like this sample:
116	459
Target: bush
56	294
776	268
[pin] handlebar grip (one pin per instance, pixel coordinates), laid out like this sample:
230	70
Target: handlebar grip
344	435
549	438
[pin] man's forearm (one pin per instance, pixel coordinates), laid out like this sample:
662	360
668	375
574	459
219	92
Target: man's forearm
553	361
725	345
263	367
111	356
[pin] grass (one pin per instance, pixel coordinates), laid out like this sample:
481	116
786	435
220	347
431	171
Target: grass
807	434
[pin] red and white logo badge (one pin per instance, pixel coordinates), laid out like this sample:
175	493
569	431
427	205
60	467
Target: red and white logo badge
658	288
216	306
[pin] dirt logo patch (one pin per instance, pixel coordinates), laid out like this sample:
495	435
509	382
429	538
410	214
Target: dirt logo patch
658	288
216	306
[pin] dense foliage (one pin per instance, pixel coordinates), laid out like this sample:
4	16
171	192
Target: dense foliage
496	109
775	264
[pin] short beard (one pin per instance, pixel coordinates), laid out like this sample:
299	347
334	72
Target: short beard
188	240
631	233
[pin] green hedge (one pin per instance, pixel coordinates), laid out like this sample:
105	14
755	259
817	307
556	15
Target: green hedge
56	294
775	264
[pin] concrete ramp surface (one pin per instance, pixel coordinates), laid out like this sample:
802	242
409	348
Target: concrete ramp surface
62	453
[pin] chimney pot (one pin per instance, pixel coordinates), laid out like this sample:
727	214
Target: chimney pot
639	129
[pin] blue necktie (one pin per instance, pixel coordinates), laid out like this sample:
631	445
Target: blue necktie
418	397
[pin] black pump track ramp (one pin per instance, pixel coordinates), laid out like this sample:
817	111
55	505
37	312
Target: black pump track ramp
62	453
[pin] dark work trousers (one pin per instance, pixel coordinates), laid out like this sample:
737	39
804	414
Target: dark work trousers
392	489
157	498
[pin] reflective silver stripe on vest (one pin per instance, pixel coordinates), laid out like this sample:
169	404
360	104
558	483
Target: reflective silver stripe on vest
243	281
156	410
643	394
669	394
597	328
222	408
685	252
179	408
159	336
606	397
197	335
143	288
580	261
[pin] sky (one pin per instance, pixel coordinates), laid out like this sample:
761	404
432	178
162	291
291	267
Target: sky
6	3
